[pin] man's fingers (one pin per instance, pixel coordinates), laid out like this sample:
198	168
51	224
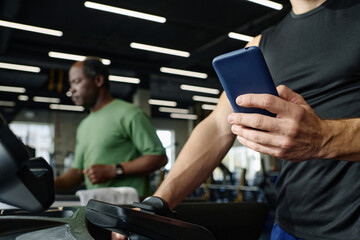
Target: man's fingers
288	95
117	236
260	137
283	104
258	147
269	102
256	121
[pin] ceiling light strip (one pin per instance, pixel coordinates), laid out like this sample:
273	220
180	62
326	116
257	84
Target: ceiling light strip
74	57
30	28
183	72
241	37
23	98
126	12
132	80
208	107
19	67
66	107
162	102
199	89
7	103
184	116
173	110
12	89
267	3
205	99
46	99
159	49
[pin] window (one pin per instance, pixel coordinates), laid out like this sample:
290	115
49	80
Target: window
240	157
167	138
36	135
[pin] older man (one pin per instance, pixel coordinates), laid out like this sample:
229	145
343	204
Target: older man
116	145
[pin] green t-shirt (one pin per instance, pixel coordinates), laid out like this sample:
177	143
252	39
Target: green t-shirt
118	132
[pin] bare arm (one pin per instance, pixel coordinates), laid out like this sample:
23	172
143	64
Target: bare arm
203	152
72	178
145	164
342	139
206	147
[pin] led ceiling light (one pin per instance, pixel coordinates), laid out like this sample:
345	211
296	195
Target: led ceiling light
208	107
205	99
124	79
173	110
30	28
159	49
23	98
19	67
241	37
162	102
183	72
184	116
66	107
126	12
74	57
46	99
7	103
199	89
12	89
268	3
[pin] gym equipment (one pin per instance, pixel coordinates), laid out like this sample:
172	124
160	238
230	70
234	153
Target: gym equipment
28	184
142	225
192	220
25	183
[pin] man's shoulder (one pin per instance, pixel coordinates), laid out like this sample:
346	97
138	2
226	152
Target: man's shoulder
83	123
122	105
124	110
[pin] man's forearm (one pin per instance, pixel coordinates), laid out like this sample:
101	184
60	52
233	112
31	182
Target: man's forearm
69	179
202	153
144	164
341	139
100	173
205	149
61	183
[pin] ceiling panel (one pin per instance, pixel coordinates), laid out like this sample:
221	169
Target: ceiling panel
199	27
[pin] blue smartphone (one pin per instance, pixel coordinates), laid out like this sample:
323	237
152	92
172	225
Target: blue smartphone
244	71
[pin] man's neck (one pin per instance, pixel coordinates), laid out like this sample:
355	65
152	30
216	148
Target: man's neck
304	6
103	99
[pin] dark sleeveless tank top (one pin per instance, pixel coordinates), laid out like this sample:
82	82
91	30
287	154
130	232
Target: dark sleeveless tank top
317	54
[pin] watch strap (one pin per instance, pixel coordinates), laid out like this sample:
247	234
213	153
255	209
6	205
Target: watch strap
119	171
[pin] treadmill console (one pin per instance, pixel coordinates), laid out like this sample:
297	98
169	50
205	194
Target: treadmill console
142	225
24	183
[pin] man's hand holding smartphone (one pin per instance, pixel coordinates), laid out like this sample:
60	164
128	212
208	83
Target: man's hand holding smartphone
274	121
296	134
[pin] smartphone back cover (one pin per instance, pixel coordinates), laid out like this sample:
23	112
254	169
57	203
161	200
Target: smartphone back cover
244	71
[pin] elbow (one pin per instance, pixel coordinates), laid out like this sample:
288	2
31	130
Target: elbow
164	160
157	162
161	161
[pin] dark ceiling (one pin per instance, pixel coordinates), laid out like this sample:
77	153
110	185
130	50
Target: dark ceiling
199	27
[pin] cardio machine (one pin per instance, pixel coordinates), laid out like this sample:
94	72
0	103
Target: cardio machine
28	185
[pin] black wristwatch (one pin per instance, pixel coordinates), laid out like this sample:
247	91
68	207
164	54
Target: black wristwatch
155	205
119	171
